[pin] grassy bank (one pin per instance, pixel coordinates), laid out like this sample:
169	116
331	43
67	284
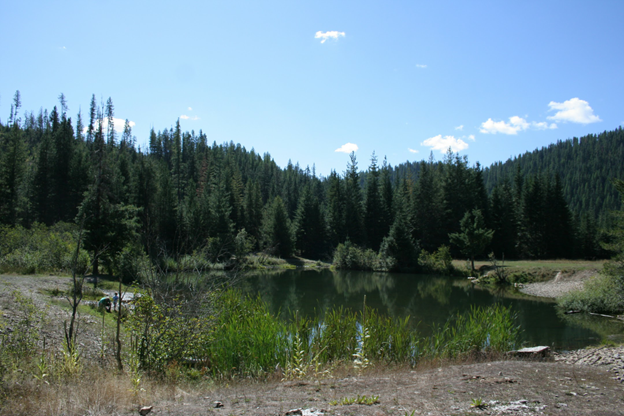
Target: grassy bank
168	345
526	271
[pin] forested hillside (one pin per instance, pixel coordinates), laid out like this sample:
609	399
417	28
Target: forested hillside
182	195
586	167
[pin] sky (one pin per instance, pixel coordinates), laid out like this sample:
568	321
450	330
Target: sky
310	82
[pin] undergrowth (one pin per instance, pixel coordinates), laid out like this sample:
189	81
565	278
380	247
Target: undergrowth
227	336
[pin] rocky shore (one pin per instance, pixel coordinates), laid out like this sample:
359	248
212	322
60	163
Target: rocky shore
560	285
609	358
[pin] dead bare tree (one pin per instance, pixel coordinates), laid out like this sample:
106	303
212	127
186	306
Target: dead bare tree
76	298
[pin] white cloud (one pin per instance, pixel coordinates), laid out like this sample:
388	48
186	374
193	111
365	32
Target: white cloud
421	66
117	123
347	148
412	150
471	137
460	127
333	34
542	125
185	117
574	111
443	143
515	125
190	109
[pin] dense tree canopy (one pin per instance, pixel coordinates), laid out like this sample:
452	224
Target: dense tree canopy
182	194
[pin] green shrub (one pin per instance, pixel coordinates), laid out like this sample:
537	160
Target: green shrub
351	257
438	262
602	294
40	249
130	263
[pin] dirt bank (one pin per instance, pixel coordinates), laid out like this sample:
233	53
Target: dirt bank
560	285
504	387
585	382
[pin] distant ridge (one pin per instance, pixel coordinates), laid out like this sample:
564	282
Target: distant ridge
586	167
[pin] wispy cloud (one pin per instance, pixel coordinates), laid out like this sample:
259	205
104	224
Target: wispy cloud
471	137
460	127
332	34
412	150
444	143
190	109
573	110
347	148
185	117
421	66
542	125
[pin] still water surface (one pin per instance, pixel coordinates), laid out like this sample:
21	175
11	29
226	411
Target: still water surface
428	300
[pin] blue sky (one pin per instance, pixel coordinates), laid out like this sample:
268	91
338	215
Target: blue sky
303	80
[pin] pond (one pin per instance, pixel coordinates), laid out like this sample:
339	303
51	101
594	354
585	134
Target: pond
427	300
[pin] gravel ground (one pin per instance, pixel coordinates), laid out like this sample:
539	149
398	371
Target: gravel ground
560	285
35	287
502	387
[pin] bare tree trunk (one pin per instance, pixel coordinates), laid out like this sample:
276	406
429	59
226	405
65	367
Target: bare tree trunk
118	349
70	333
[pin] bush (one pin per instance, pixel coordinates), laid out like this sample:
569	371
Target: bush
351	257
40	249
131	262
438	262
602	294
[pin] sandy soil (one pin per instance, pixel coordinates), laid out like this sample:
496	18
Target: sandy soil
560	285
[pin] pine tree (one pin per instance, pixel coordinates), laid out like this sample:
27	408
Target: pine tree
252	205
309	226
110	125
353	216
428	211
559	235
335	209
12	169
374	212
276	229
503	222
387	195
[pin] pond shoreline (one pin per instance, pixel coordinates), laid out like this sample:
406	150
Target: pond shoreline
562	284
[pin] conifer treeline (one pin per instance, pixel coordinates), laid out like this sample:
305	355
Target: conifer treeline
585	165
183	195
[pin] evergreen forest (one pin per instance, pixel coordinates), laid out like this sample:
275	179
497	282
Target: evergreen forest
182	195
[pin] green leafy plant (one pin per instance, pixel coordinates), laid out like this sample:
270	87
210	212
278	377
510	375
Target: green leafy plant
478	403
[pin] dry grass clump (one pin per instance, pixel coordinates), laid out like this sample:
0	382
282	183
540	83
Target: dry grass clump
90	393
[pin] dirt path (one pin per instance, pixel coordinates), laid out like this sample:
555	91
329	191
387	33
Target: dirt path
560	285
504	387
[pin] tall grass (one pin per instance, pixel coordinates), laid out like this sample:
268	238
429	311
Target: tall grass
249	341
480	330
